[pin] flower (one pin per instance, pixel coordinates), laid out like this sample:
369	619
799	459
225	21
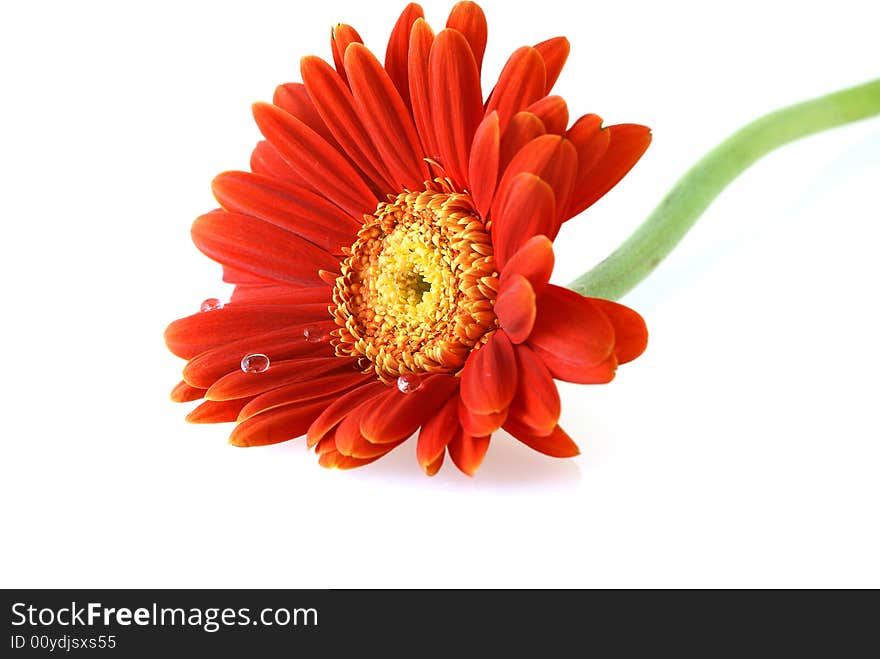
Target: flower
391	251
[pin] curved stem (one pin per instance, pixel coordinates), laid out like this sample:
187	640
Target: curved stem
668	223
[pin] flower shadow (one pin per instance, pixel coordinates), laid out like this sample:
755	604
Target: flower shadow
508	465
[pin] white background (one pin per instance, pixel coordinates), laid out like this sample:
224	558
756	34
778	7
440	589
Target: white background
742	449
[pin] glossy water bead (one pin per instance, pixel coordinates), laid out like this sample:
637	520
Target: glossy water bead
256	363
314	334
211	304
409	382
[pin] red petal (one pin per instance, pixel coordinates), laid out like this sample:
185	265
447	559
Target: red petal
277	425
383	113
347	435
288	206
557	444
601	374
421	39
345	462
591	142
350	442
396	63
555	52
293	98
335	460
266	160
279	294
319	163
340	37
468	452
469	19
483	166
478	425
217	412
261	248
551	157
436	434
488	380
365	452
571	335
341	407
432	468
537	406
335	104
520	84
233	275
456	101
630	331
397	415
239	384
305	390
203	331
184	393
627	143
522	129
286	343
327	443
329	459
529	209
534	261
553	112
515	308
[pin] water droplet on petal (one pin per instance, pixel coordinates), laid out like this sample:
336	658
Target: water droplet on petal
315	334
211	304
409	382
256	363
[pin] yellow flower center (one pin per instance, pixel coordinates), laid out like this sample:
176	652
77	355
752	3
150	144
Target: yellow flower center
418	285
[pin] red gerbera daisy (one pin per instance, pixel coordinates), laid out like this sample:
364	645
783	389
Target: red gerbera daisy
391	250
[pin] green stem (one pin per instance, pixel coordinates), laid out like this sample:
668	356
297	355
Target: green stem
643	251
